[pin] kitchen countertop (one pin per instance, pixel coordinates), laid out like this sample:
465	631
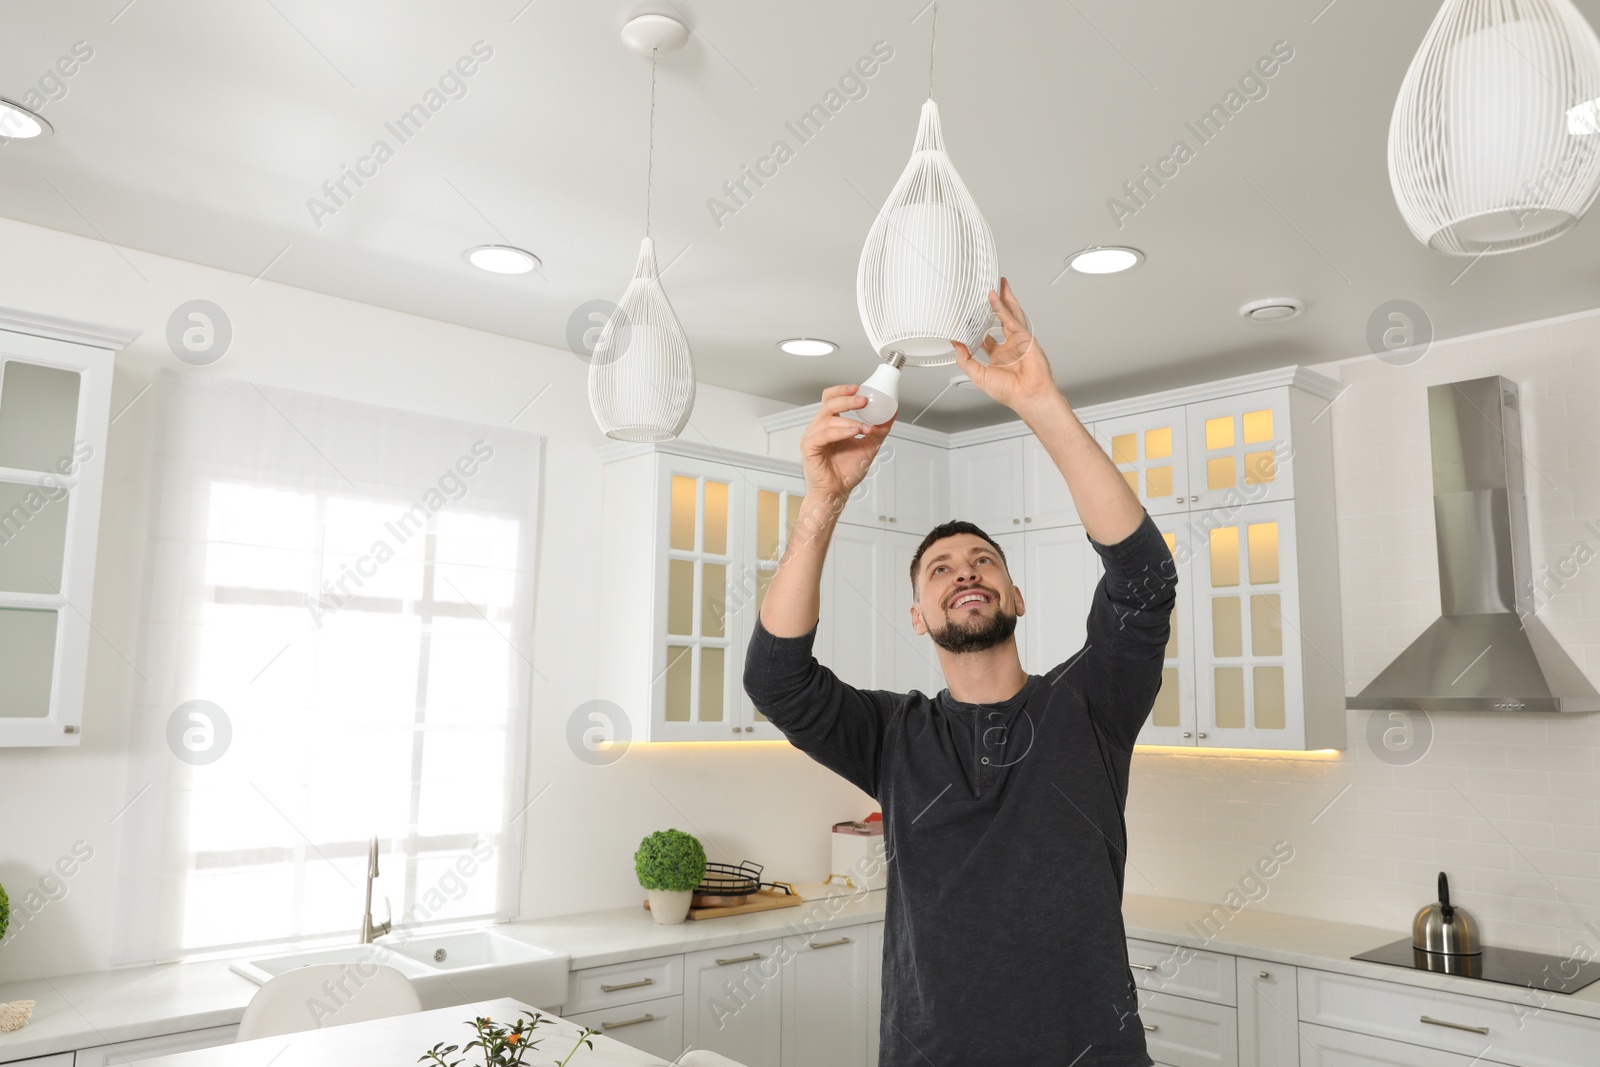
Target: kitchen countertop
106	1007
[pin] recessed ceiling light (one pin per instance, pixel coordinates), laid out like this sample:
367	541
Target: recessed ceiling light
808	346
1272	309
501	259
1105	260
20	124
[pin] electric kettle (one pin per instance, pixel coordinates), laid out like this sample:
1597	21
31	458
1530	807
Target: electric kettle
1445	929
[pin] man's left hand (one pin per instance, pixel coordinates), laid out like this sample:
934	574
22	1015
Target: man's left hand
1018	372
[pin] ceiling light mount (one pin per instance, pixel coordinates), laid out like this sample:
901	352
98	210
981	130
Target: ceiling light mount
655	33
18	123
808	346
1272	309
502	259
1105	259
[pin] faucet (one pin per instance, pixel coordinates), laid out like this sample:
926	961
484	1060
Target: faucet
371	931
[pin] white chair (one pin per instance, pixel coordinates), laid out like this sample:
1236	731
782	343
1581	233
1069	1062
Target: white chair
706	1058
327	994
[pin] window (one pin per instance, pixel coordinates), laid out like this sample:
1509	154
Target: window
341	632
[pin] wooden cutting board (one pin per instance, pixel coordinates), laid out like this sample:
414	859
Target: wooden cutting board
765	900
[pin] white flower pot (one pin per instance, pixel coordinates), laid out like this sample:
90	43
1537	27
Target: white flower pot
668	906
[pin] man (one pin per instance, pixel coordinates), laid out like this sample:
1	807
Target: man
1003	795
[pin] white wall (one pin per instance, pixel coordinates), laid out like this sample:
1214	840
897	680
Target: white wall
764	802
1505	803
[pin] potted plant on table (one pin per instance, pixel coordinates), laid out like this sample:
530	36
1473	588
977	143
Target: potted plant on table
670	864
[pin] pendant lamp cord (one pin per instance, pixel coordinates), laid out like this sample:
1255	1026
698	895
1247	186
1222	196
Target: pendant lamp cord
650	161
933	46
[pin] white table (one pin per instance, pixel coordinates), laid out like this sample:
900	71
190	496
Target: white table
399	1042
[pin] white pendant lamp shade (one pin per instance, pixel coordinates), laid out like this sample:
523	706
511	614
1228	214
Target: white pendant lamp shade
929	260
641	377
1493	147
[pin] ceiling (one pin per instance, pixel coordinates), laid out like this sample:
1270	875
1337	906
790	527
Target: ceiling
200	130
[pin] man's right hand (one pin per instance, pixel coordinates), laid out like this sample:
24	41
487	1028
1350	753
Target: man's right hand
834	457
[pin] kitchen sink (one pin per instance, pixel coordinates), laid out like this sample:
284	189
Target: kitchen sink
445	969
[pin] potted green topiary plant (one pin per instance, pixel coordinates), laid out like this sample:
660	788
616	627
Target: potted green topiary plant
670	864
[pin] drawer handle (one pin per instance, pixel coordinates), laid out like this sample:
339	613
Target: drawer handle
1455	1026
627	985
830	944
1264	974
1142	966
1152	1027
645	1018
739	959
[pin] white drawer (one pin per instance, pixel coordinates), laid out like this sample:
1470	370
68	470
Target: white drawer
1184	972
623	983
1520	1034
1321	1046
655	1026
147	1047
1189	1033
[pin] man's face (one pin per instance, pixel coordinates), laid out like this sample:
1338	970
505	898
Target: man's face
965	600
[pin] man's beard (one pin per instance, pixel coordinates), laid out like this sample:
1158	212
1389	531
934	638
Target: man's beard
981	636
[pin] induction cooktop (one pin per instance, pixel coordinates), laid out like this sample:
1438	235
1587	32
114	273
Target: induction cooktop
1510	966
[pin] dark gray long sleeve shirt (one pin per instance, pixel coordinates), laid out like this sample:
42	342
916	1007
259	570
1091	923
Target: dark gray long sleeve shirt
1003	936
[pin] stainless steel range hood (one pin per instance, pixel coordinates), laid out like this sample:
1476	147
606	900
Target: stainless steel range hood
1487	651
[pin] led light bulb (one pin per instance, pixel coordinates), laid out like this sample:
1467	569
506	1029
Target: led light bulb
882	391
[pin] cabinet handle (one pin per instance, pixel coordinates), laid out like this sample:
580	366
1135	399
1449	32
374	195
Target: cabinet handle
739	959
1016	522
1177	500
735	729
645	1018
1194	500
893	519
627	985
1186	733
883	518
749	729
1263	974
1142	966
1202	733
1152	1027
1454	1026
830	944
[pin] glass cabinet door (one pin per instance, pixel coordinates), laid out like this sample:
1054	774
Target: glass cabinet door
773	507
54	400
1149	451
696	630
1239	449
1245	599
1172	719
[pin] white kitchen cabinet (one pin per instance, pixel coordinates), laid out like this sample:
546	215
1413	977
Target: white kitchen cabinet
1269	1013
733	1002
1323	1046
1172	718
824	1002
617	984
60	1059
1180	1032
1239	449
55	400
988	485
653	1026
690	541
1058	574
1009	485
1151	450
907	488
147	1047
865	634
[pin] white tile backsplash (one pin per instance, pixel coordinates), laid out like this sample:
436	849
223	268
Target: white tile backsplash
1507	804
